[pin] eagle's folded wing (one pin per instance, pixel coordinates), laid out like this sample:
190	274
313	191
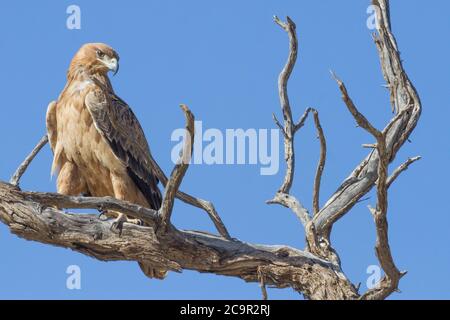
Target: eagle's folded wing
118	125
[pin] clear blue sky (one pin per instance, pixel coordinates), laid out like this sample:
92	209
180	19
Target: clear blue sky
222	58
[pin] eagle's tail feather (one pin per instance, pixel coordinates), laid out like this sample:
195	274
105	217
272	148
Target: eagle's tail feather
151	272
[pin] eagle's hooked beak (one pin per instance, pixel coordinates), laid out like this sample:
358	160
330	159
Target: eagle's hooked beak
113	65
116	70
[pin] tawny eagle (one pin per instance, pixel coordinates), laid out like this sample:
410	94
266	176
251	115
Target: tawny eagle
99	146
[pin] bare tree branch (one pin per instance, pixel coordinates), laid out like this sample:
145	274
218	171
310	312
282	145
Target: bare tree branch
290	202
278	124
317	246
404	97
207	206
149	216
179	170
400	169
31	217
283	196
359	117
398	117
302	120
289	27
23	167
390	282
321	165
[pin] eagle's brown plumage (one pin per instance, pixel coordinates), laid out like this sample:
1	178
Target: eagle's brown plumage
99	146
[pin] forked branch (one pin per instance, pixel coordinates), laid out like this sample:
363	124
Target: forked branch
289	129
171	188
391	280
408	108
283	196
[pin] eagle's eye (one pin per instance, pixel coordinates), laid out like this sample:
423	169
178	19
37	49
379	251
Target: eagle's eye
100	54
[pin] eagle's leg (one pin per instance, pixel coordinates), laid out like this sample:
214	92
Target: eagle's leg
124	189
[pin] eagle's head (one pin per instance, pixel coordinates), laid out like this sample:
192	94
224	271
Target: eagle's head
96	58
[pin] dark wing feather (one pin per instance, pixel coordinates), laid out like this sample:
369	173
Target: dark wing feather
119	126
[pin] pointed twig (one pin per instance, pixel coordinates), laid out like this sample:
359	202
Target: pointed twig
278	124
291	202
361	120
24	166
302	120
400	169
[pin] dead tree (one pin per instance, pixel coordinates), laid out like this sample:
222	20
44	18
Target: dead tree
314	272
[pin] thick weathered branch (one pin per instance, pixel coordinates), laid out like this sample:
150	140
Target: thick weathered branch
23	167
321	164
172	186
149	216
34	217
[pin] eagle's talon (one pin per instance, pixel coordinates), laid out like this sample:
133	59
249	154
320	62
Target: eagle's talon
117	226
102	213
